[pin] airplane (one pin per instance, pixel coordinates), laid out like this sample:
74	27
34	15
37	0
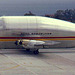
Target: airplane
35	32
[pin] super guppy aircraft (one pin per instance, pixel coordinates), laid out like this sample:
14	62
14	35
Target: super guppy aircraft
35	32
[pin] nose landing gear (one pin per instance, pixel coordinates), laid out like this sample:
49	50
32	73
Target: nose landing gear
36	52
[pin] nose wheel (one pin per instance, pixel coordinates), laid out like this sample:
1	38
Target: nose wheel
36	52
27	50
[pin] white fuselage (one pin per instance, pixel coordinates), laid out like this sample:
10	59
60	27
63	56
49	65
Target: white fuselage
14	28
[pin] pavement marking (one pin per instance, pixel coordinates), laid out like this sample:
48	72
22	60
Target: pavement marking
58	67
11	67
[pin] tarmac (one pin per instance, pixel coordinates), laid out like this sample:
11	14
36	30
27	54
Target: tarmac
47	62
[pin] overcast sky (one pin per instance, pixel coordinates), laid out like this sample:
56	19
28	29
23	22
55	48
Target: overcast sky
39	7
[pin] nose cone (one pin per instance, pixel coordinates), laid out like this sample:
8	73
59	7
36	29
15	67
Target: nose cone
2	25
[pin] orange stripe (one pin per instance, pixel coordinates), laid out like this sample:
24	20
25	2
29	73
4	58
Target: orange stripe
8	40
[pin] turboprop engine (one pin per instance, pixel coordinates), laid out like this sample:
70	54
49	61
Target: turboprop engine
28	43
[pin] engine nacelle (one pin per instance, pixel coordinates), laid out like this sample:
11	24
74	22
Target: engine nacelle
28	43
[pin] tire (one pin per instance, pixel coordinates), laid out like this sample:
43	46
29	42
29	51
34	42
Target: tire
36	52
27	50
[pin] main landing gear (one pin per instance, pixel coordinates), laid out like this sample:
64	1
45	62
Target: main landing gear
34	51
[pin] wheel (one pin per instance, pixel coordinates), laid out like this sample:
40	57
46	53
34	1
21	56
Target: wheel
27	50
36	52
